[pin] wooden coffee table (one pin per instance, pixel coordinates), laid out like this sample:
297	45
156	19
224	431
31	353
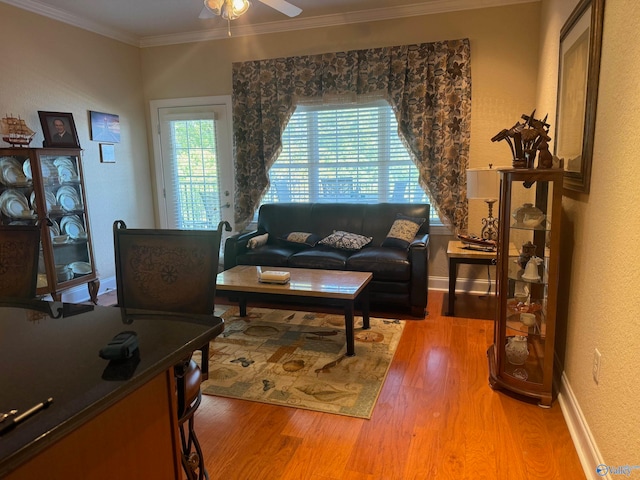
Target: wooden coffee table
308	286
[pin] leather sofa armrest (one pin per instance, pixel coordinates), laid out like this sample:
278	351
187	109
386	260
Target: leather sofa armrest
420	241
419	259
237	245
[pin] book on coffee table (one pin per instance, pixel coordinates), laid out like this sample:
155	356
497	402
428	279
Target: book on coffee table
273	276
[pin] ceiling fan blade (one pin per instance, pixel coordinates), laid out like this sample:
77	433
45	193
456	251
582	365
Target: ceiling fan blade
283	7
206	13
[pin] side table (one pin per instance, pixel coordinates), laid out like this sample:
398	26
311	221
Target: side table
458	254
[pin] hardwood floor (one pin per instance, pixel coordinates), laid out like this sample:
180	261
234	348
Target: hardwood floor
436	417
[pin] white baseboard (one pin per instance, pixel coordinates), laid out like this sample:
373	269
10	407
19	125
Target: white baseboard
463	285
586	447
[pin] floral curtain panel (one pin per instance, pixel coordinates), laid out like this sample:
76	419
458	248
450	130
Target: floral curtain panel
427	85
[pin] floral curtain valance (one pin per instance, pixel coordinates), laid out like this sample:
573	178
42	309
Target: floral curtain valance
427	85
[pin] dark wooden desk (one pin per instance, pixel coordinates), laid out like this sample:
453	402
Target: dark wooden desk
104	422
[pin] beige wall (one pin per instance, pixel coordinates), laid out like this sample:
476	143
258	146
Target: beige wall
504	70
601	261
50	66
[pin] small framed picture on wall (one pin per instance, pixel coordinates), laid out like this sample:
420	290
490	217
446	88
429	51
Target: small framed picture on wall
107	153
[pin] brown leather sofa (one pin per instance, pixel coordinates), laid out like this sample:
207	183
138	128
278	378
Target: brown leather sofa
400	276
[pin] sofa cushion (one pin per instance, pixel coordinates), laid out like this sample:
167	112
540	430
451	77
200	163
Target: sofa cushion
258	241
386	264
278	219
300	239
403	231
320	257
345	240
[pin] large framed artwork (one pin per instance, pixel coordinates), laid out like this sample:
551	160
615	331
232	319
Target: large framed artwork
579	72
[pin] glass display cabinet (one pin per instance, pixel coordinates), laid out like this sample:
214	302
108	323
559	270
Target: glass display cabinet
522	356
40	184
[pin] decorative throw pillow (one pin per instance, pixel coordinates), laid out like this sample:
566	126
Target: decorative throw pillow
402	232
257	241
300	238
345	240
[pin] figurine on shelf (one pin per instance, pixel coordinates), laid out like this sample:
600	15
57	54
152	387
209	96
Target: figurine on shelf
545	158
15	131
525	139
531	270
528	251
528	215
517	350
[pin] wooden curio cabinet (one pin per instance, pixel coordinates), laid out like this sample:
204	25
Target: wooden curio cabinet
40	184
522	356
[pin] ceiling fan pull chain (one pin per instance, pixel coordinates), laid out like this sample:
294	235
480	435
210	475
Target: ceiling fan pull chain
228	27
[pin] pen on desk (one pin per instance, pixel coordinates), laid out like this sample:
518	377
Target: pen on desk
4	416
12	422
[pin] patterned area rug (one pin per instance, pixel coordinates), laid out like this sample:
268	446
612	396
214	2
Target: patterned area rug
297	359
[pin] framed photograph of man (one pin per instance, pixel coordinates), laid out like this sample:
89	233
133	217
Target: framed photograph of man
59	130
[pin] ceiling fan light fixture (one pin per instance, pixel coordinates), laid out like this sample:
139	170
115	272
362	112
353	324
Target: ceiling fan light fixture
228	9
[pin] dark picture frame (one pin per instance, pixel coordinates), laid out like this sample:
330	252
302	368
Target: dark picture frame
578	79
107	153
50	122
105	127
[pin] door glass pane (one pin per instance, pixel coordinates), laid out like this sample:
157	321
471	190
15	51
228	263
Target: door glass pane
190	165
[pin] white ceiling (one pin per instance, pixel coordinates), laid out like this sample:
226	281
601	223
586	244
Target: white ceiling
161	22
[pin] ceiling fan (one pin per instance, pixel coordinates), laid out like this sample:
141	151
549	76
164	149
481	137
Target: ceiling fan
232	9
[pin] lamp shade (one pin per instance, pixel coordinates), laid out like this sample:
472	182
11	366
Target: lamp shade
483	183
228	9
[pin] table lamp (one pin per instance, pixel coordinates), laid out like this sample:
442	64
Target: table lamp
484	183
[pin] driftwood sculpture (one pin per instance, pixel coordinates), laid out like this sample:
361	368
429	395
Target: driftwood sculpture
525	140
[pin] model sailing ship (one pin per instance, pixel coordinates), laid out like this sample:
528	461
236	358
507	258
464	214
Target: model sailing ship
15	131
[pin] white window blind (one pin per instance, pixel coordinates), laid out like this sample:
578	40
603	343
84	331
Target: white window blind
347	154
193	170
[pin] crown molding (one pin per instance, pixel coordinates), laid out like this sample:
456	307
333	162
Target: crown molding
74	20
363	16
220	33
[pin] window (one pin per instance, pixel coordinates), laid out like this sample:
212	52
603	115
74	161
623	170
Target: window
344	154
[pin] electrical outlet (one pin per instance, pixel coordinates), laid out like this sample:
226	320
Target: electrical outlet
596	365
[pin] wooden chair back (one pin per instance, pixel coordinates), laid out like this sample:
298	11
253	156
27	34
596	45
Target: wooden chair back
19	254
167	270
